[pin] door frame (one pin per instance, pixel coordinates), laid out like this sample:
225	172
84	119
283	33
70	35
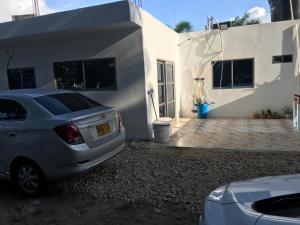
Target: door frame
165	83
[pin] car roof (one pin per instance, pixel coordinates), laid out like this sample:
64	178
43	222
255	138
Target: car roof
33	93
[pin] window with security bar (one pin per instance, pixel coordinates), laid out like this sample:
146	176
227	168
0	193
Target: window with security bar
94	74
229	74
21	78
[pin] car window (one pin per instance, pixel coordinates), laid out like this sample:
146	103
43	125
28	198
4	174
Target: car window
11	110
59	104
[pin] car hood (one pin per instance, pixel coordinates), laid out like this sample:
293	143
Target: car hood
256	189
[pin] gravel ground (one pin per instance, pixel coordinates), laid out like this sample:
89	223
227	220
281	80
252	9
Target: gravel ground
144	184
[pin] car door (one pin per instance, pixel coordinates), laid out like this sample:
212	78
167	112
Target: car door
12	124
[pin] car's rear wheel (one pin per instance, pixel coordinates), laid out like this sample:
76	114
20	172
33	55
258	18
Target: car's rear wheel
28	177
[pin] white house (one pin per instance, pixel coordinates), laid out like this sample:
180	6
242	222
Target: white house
115	52
260	68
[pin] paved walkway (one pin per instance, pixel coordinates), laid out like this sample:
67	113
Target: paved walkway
243	134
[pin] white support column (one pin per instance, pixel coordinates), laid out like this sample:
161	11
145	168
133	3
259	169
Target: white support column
295	116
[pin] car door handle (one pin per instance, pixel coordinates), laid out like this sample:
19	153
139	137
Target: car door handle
12	133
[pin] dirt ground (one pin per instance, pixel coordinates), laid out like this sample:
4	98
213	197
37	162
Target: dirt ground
142	185
74	209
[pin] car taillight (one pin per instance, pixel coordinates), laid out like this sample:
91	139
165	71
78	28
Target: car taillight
70	134
120	121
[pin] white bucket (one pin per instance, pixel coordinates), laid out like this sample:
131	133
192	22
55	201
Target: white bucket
162	130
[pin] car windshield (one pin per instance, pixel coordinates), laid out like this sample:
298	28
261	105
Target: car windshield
59	104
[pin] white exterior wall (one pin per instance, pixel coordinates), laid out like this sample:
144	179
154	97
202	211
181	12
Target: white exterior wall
159	43
137	51
125	44
275	84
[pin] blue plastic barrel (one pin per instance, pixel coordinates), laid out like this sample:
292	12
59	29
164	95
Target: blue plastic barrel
202	110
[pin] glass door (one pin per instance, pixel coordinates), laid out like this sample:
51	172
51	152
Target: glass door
166	89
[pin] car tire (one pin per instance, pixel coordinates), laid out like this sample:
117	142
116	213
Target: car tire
28	177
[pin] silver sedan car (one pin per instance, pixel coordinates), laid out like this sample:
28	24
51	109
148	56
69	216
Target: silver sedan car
52	134
262	201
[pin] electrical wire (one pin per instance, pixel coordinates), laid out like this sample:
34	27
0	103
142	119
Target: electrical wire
190	38
209	45
221	52
215	59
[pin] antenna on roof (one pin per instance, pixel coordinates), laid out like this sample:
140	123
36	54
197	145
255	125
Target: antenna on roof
36	8
138	3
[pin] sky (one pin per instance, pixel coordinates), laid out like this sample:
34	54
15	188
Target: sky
168	11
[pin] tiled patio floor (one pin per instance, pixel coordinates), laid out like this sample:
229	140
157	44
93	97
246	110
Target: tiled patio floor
243	134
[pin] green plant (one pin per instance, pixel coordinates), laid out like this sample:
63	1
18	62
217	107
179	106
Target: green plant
183	26
267	114
244	20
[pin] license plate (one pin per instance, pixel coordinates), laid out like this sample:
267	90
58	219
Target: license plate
103	129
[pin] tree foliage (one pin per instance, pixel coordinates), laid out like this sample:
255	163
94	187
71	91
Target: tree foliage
244	21
183	26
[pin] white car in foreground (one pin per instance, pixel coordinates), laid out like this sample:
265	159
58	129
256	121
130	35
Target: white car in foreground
263	201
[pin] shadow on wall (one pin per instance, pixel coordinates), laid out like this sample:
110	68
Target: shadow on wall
60	47
272	95
197	66
261	98
124	41
130	95
149	84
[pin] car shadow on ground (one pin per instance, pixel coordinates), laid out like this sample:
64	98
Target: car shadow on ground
7	187
55	207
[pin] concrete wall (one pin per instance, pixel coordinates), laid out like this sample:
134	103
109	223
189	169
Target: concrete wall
159	43
137	45
275	84
74	20
123	43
